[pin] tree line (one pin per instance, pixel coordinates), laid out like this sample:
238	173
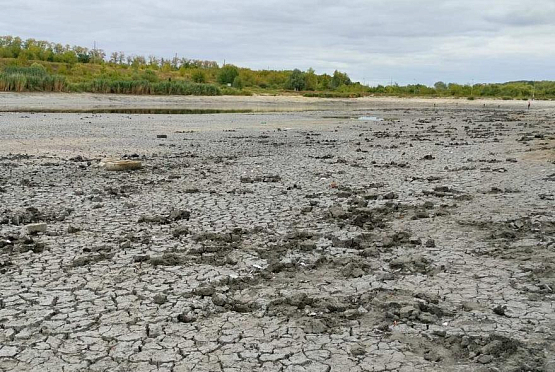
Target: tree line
74	68
40	50
78	65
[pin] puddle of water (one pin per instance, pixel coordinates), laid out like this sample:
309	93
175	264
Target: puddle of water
370	118
143	111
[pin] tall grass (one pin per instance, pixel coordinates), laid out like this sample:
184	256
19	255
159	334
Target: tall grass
37	79
146	87
30	79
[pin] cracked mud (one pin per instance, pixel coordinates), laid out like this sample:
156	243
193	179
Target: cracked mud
301	241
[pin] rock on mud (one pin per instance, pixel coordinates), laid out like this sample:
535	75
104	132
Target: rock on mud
121	165
34	228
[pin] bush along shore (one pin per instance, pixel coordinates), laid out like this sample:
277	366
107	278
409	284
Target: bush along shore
37	79
34	65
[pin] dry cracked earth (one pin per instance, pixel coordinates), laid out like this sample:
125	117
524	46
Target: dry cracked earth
300	241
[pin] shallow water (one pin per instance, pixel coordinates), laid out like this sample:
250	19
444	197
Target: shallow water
156	111
370	118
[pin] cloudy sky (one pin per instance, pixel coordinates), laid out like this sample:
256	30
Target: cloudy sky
374	41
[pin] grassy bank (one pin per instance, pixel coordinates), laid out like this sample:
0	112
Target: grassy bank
36	79
32	65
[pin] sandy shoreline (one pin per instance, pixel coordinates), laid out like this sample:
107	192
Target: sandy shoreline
35	101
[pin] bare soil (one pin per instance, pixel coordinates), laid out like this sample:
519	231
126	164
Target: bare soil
295	238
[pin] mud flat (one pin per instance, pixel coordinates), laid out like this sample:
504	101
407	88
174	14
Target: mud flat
277	241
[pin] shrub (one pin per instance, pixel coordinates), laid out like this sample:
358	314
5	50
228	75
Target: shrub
198	76
238	83
151	76
227	74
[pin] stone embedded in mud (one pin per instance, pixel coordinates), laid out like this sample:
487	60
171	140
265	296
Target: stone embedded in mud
407	311
204	291
421	214
353	270
219	299
21	217
186	318
428	318
72	229
496	347
91	259
266	178
315	326
485	359
300	300
358	350
121	165
396	239
432	356
443	189
411	263
141	258
384	327
160	299
415	241
174	216
471	306
168	259
34	228
370	252
338	212
390	196
180	231
179	214
500	310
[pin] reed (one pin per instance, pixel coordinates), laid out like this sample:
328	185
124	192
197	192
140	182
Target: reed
37	79
145	87
31	79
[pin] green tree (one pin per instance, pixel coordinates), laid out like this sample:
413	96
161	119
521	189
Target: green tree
296	80
69	57
339	79
310	80
324	82
227	74
83	58
440	85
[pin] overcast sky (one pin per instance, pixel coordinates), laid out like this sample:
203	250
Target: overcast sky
374	41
